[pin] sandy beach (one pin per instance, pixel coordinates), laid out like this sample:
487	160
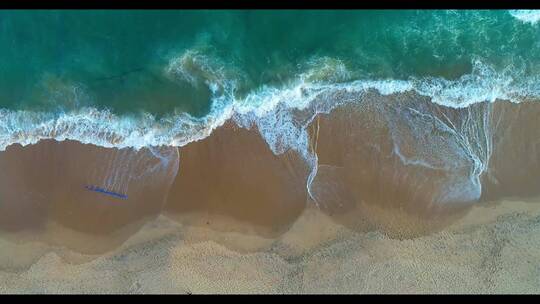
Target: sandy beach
227	215
493	249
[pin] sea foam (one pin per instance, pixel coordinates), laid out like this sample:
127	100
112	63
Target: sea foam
528	16
283	114
279	112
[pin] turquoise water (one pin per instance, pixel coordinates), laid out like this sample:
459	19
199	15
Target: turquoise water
141	69
118	57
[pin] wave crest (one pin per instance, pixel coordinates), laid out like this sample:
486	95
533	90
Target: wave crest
527	16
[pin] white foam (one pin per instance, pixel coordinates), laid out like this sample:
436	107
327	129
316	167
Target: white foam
482	84
197	68
281	114
528	16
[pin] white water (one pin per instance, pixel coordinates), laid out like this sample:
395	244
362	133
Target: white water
281	114
528	16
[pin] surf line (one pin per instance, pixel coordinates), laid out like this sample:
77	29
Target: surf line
105	191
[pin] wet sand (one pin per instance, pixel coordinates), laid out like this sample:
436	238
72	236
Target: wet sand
46	183
233	174
363	184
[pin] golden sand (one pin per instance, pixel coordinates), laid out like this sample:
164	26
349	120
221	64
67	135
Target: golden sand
494	249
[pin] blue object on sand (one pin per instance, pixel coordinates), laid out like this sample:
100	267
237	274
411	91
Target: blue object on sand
105	191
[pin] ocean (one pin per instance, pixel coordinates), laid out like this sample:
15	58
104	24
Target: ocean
148	74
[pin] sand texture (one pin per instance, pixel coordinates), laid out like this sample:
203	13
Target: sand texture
494	249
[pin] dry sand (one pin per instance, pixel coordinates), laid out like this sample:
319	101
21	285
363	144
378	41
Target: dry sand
495	248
